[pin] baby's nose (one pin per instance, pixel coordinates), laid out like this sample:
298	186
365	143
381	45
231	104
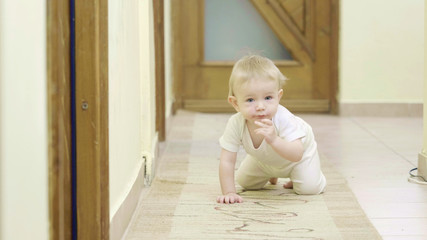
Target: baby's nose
260	106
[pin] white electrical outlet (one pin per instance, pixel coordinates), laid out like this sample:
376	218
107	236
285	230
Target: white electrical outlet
147	168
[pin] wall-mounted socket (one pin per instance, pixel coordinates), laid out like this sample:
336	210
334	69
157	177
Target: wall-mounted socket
147	169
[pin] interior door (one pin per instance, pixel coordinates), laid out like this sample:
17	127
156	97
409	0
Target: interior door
306	29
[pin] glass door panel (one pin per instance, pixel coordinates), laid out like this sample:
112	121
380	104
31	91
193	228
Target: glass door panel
234	28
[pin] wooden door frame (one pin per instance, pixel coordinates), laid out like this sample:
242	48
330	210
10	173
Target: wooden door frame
214	105
177	54
333	57
91	23
91	39
59	115
159	42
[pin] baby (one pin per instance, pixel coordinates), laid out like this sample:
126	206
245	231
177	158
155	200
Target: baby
278	144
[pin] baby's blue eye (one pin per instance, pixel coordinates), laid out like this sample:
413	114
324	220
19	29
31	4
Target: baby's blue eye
268	98
250	100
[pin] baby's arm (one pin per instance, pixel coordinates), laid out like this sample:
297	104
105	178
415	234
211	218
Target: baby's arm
226	177
292	151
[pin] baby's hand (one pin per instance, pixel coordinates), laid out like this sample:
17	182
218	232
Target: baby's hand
229	198
266	129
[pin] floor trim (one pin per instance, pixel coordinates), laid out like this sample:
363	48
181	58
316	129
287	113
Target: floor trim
381	109
123	217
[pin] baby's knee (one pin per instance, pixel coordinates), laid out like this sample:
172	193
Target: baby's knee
251	183
250	186
309	188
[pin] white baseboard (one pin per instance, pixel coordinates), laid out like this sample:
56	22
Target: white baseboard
381	109
124	216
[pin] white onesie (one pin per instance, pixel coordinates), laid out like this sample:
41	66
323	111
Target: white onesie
263	163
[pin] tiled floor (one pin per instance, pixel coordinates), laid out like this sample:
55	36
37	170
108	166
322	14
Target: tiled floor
375	156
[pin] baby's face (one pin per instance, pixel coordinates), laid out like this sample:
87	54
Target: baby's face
257	99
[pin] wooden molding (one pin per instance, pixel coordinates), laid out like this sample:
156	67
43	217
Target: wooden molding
158	9
177	54
334	45
292	27
201	31
59	126
91	24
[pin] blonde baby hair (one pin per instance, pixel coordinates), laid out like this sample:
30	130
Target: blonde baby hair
254	67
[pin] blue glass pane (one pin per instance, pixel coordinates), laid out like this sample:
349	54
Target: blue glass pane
234	28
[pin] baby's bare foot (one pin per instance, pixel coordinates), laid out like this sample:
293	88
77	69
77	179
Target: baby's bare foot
273	180
288	185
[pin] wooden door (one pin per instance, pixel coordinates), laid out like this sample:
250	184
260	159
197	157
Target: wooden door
308	29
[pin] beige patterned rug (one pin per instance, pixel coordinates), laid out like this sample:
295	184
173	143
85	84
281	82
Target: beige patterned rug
180	204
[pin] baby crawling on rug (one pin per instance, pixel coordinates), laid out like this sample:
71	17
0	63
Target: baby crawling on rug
278	144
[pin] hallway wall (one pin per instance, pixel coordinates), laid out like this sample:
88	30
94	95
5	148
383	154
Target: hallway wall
131	106
23	121
381	55
125	106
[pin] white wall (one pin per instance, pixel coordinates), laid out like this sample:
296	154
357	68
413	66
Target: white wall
381	56
23	120
148	90
131	95
124	100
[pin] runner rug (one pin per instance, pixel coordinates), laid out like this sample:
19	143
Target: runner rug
181	202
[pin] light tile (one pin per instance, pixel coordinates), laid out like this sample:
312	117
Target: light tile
401	226
405	237
374	155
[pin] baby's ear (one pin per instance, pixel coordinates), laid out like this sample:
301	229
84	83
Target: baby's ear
280	93
233	101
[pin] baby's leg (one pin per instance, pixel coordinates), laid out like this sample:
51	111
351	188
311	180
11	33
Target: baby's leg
307	177
250	174
273	180
288	185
